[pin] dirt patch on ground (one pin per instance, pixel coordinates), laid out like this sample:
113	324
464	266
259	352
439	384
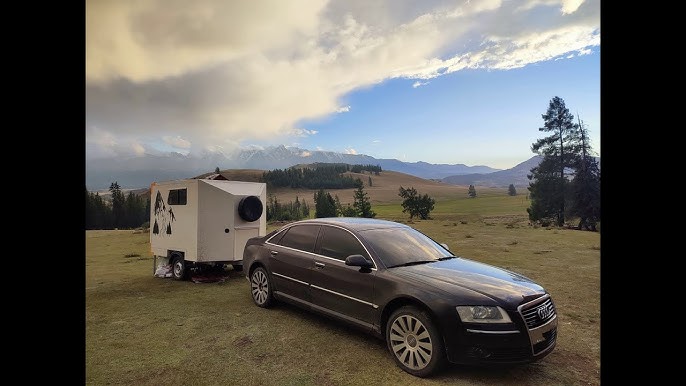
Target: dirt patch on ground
242	341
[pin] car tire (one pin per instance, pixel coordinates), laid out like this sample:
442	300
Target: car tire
414	341
179	269
261	288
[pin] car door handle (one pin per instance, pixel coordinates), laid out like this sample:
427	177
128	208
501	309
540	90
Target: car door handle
319	265
274	253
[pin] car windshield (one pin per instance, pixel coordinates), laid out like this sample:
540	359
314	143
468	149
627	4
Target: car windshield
404	246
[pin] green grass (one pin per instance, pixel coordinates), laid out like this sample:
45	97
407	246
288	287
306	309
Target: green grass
152	331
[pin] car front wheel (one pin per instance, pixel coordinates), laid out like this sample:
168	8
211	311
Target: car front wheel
414	341
260	288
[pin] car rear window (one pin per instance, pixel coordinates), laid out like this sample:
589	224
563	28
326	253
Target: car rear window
301	237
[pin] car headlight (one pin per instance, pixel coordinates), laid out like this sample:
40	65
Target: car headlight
483	314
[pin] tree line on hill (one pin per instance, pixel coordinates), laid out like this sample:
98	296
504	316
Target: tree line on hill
122	211
316	176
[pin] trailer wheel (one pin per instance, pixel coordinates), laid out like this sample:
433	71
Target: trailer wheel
179	271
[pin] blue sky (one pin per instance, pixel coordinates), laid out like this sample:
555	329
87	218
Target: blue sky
472	116
440	81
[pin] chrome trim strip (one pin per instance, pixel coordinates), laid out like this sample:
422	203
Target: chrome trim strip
290	278
492	332
345	296
327	311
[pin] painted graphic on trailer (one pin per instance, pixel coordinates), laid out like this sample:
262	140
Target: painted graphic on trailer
163	217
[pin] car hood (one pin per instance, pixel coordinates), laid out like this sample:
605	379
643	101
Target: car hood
501	285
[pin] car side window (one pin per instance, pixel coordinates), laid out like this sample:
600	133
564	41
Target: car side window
339	244
301	237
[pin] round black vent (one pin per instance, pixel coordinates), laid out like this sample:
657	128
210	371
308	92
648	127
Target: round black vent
250	208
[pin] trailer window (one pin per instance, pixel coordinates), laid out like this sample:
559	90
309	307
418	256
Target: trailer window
177	197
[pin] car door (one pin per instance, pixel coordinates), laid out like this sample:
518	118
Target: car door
291	261
338	288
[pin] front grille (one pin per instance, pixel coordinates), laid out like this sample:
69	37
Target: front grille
550	338
539	314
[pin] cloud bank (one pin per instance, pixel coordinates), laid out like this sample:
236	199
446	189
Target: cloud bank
208	75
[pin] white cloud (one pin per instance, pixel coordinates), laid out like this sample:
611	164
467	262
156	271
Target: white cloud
218	73
305	154
350	151
570	6
418	84
177	142
104	144
376	141
566	6
584	51
301	133
319	148
138	149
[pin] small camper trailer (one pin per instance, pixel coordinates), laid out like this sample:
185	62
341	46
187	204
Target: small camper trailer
197	223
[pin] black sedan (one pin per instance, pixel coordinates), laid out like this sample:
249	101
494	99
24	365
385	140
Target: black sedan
392	280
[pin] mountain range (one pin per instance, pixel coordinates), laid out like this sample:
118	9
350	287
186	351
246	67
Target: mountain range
140	171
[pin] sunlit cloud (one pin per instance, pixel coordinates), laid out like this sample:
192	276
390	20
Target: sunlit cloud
216	73
305	154
350	151
570	6
138	149
177	142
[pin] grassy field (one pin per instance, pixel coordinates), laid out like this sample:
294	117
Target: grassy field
152	331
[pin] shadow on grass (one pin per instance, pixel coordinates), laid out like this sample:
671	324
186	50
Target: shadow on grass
496	374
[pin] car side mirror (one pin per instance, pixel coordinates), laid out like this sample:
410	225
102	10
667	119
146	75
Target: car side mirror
358	261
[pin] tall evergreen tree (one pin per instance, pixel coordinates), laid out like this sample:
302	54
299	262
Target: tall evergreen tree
363	207
471	192
549	184
511	190
118	206
586	183
325	206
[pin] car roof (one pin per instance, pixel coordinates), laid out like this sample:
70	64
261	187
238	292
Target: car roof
356	223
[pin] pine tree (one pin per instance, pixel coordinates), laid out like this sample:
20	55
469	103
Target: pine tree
363	208
549	186
472	191
586	183
118	206
370	181
325	206
511	190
